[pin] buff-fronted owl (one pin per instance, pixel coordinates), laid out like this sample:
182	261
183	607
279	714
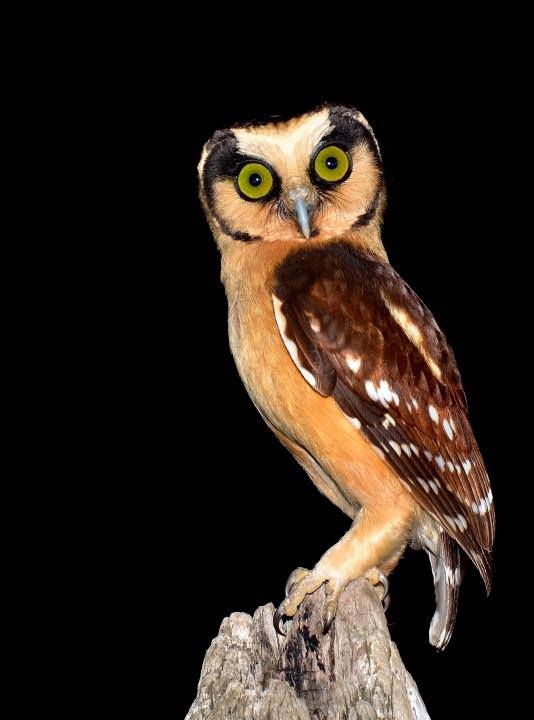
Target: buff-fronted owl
343	361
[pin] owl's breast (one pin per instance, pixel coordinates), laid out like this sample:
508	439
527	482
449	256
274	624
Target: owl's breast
310	425
262	360
288	403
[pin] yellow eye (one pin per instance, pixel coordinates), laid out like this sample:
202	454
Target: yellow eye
331	164
255	181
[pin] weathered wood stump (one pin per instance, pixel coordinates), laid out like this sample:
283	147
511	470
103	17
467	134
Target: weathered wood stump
353	673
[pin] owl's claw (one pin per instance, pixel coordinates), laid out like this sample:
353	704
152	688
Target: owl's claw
329	613
386	598
385	584
277	620
376	577
295	577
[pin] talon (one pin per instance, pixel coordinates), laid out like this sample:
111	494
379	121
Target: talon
386	599
295	576
329	614
385	583
279	614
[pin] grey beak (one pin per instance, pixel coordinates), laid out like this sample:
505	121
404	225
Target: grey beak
301	210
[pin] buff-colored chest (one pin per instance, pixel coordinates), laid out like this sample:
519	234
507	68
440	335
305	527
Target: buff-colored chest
286	400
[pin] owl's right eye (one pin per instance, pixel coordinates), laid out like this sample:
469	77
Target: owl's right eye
255	181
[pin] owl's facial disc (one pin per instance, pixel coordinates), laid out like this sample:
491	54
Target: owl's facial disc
316	176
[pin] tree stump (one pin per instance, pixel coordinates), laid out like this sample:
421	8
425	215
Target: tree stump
353	673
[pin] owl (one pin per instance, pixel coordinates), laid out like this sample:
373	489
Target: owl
343	361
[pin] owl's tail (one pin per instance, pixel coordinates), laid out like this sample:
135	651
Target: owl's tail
448	566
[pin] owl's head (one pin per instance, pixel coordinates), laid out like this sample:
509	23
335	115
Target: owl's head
315	177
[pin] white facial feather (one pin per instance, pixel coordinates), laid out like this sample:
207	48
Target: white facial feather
285	151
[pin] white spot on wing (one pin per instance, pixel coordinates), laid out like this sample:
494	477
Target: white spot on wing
291	346
406	449
415	449
384	393
388	420
440	462
434	486
371	390
458	521
467	466
433	413
308	376
413	332
395	446
354	422
484	505
353	363
423	484
448	429
450	466
315	324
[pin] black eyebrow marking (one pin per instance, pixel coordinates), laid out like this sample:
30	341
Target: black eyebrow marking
349	131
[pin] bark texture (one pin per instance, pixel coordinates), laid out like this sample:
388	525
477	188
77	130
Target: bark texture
353	673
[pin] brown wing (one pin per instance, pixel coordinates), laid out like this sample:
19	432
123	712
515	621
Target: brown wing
357	332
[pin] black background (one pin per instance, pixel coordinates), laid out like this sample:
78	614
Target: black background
223	512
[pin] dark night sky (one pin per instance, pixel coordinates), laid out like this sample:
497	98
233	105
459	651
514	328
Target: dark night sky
226	513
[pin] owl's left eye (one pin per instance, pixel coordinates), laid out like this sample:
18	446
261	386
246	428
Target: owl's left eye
331	164
255	181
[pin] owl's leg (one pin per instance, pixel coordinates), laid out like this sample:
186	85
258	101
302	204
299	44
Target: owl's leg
374	543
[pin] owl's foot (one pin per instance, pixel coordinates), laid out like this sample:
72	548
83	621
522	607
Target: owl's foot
300	583
370	549
304	582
